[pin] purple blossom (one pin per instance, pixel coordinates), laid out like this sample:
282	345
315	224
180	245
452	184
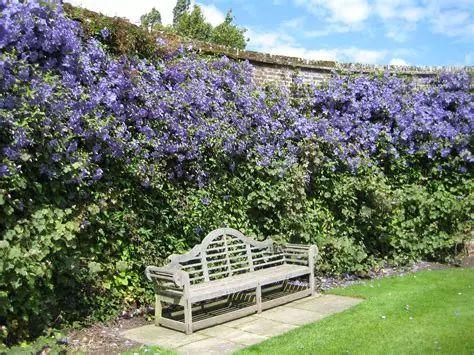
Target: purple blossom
97	174
24	74
4	170
175	115
105	33
161	41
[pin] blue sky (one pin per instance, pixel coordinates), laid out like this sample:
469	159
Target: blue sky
413	32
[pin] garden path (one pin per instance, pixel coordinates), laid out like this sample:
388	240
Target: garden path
228	337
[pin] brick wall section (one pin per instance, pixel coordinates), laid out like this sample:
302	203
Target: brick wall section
282	75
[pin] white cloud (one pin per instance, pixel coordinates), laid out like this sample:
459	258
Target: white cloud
455	22
400	18
329	29
398	61
412	13
365	56
212	14
400	9
447	17
348	12
294	23
398	30
268	39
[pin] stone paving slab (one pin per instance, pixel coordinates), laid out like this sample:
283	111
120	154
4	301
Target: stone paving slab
328	304
209	346
167	338
266	327
293	316
237	334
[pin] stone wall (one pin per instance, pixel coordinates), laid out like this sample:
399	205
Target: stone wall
281	69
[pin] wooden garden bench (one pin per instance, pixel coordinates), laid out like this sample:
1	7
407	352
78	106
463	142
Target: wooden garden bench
231	270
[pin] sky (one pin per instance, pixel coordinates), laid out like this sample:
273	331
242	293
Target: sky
398	32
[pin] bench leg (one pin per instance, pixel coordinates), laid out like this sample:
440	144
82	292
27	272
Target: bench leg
157	310
258	298
188	317
312	284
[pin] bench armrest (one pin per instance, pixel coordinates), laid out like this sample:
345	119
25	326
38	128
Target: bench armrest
179	277
297	252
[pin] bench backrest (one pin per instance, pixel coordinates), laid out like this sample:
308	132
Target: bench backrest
225	252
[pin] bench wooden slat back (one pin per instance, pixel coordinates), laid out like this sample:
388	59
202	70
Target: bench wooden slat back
230	260
226	252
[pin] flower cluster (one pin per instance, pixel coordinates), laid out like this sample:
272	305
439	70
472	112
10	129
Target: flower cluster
387	117
71	110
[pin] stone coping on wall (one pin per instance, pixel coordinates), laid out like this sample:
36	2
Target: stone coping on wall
320	65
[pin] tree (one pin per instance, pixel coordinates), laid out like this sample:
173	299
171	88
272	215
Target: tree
181	8
151	20
193	25
229	34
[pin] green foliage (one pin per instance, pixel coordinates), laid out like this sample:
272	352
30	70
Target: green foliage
86	250
228	34
194	25
32	257
50	344
181	8
151	20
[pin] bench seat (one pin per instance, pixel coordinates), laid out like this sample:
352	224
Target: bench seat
223	266
242	282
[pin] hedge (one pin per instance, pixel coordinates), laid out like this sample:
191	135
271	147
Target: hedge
110	162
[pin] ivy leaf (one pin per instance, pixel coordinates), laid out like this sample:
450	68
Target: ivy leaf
94	267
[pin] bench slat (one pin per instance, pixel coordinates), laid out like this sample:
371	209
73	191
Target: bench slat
269	263
227	272
220	267
224	253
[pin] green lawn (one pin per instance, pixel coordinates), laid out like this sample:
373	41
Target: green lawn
426	312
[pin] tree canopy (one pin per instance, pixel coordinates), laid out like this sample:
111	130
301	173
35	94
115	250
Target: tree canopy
192	24
181	8
151	20
228	34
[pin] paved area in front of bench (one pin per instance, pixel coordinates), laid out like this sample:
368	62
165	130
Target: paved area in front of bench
240	333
